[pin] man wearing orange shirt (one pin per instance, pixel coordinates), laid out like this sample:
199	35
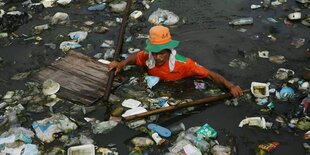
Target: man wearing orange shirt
161	59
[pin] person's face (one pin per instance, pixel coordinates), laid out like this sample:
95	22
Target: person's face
161	57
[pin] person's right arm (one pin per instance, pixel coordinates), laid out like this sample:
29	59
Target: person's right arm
118	66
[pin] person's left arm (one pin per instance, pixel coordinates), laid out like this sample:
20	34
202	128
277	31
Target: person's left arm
201	72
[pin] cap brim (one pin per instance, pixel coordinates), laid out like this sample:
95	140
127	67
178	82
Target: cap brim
155	48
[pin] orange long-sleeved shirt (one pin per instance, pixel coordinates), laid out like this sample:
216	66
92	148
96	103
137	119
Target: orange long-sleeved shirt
184	67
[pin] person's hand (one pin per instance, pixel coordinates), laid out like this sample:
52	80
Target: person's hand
115	65
236	91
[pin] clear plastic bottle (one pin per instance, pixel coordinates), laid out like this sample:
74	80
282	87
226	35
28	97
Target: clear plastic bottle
242	21
199	143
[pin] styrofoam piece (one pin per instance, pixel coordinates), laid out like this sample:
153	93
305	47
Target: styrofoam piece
260	90
88	149
131	103
104	61
294	16
134	111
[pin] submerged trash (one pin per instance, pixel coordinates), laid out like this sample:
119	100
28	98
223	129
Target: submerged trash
103	127
21	76
11	21
109	53
238	63
107	44
163	16
142	141
241	21
97	7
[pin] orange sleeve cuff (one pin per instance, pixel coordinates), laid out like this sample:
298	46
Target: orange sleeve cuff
141	58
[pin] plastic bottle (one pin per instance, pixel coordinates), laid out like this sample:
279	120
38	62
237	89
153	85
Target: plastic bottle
242	21
199	143
42	27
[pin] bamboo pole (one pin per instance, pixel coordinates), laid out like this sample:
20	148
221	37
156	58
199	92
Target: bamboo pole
178	106
118	49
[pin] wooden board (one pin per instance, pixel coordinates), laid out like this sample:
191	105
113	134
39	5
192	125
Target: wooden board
82	79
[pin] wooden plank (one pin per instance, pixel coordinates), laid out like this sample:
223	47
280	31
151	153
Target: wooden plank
82	79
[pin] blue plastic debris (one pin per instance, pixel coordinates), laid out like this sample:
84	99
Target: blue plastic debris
151	81
97	7
286	93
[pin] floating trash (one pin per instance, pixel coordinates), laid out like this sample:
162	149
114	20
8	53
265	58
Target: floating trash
277	59
98	7
118	7
163	16
294	16
298	42
60	18
50	87
136	14
67	45
260	90
241	21
151	81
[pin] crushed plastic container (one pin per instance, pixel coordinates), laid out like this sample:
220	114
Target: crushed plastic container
88	149
260	90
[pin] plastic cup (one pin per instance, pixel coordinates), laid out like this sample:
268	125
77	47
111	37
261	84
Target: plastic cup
177	128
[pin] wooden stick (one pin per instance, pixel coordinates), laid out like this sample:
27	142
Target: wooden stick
178	106
118	49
